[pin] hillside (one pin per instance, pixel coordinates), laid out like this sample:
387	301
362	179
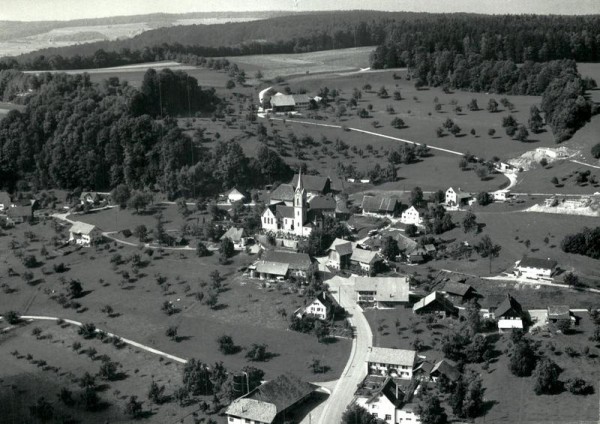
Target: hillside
17	37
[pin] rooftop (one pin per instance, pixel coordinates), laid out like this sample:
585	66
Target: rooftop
388	289
272	268
312	182
434	297
386	355
379	204
283	192
283	391
559	311
507	305
253	410
235	234
527	262
283	100
343	247
363	256
295	260
81	228
459	289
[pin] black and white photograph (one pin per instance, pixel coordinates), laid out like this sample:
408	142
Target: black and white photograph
300	212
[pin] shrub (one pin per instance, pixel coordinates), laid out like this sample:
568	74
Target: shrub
579	386
87	330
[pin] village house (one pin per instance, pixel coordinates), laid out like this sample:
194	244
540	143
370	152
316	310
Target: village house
509	314
238	236
298	263
84	234
313	184
271	402
387	401
366	260
281	103
5	201
458	198
266	270
460	292
391	362
339	253
322	307
411	216
234	195
284	193
417	255
435	303
380	206
558	313
535	268
383	292
89	198
20	214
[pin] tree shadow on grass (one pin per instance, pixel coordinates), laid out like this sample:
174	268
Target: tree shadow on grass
487	406
182	338
220	307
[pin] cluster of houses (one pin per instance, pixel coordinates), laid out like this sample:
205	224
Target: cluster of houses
16	211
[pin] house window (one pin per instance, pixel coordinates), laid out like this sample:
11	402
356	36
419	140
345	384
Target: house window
388	417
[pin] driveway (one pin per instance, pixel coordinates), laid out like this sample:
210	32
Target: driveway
356	369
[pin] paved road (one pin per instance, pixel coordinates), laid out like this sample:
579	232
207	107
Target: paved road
356	370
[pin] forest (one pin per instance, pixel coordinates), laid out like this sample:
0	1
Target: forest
75	134
517	38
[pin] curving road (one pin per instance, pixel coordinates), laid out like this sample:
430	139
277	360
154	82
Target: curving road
356	369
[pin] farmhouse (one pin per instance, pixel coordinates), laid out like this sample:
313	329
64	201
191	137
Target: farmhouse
89	197
266	270
380	206
283	103
393	362
386	400
411	216
5	201
558	313
435	303
321	307
84	234
365	259
458	291
238	236
339	253
509	314
382	291
298	263
20	214
270	402
457	197
535	268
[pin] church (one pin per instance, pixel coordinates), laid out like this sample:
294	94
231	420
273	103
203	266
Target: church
298	219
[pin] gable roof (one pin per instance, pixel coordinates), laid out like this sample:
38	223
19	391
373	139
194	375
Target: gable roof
283	100
312	182
559	312
459	193
459	289
82	228
294	260
283	391
387	289
326	299
341	246
233	233
507	305
378	204
527	262
322	202
436	297
273	268
446	368
337	183
386	355
411	209
234	191
282	211
300	98
283	192
363	256
388	389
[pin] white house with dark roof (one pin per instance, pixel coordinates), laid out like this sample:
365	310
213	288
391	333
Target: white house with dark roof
435	303
509	314
388	401
393	362
322	306
458	197
84	234
270	402
535	268
238	236
411	216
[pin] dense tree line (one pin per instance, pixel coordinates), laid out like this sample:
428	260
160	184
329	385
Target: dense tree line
399	36
586	242
73	134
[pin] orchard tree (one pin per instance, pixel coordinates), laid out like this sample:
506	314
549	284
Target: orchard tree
120	195
488	249
546	377
492	106
522	358
431	411
226	248
389	248
469	222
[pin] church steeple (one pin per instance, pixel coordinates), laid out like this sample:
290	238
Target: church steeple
299	206
299	186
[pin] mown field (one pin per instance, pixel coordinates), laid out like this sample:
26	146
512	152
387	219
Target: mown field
246	311
273	65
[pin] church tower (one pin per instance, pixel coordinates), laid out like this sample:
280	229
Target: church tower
299	206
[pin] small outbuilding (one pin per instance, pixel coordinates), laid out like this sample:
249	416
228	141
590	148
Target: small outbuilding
435	303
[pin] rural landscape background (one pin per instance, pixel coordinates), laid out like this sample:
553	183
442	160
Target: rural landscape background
157	118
